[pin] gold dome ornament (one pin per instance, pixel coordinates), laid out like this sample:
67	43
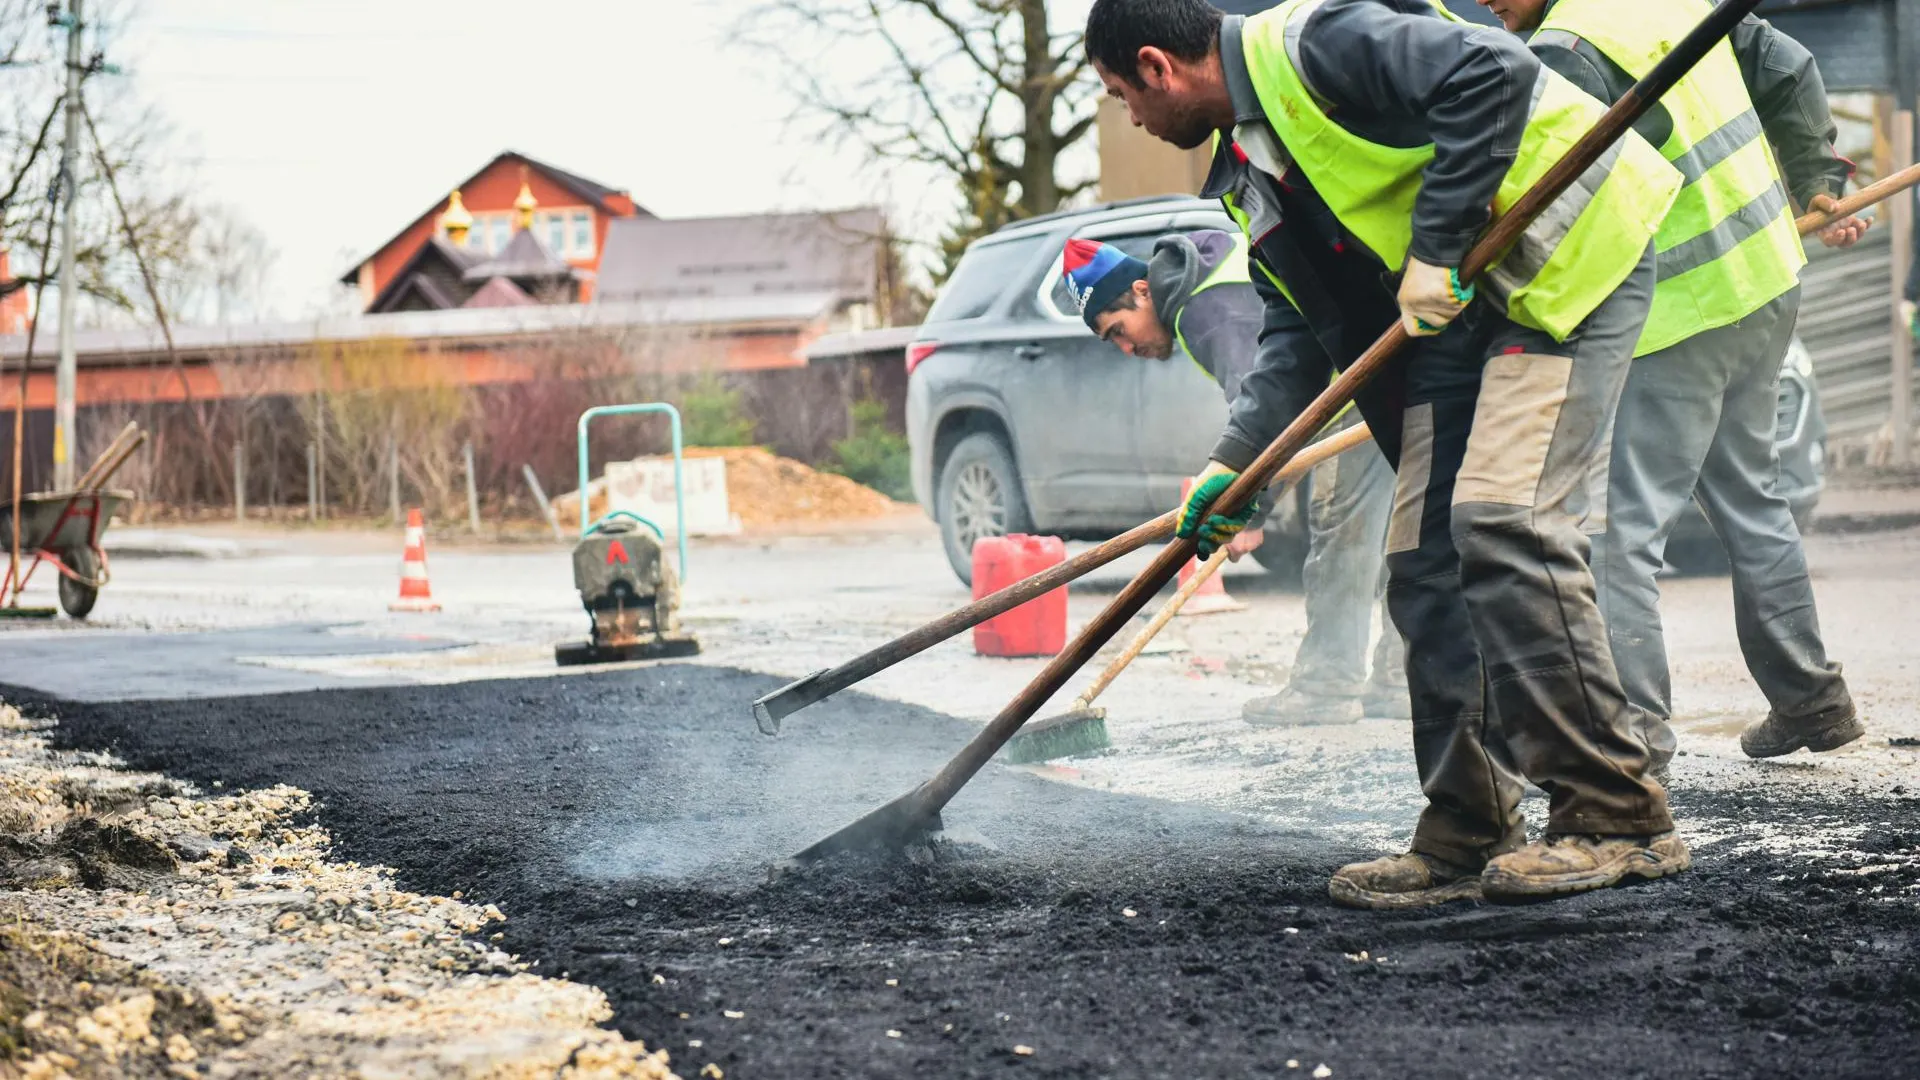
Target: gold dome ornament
456	221
524	204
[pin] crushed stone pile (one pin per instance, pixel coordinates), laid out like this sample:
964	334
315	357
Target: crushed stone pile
155	930
763	489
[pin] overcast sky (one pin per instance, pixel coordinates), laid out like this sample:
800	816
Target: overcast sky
331	125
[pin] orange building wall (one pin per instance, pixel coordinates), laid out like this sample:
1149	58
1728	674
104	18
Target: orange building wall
492	191
420	367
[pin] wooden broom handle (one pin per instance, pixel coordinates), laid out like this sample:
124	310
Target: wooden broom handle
1879	190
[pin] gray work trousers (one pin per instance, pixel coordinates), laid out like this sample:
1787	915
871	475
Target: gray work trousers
1343	576
1500	447
1696	423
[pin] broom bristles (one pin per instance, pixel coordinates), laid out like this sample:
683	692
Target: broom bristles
1080	731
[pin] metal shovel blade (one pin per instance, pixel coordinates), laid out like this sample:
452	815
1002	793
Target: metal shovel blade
896	826
770	709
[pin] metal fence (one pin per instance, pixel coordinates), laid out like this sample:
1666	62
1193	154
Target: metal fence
1846	321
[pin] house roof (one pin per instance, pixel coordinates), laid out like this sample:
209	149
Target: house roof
500	292
459	259
749	255
436	298
523	257
592	191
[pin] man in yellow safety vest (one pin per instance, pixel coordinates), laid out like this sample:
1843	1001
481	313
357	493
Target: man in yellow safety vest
1360	144
1195	293
1698	414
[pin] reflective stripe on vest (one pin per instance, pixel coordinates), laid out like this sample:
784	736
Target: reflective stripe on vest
1567	262
1729	244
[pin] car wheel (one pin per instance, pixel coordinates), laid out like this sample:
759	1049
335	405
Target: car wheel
978	496
1283	551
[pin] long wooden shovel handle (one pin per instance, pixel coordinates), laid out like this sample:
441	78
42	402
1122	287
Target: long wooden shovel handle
1297	468
926	802
89	479
106	468
1881	189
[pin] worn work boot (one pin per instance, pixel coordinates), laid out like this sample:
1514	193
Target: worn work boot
1568	864
1300	708
1385	701
1828	729
1415	879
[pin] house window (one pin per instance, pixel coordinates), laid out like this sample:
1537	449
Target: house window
556	231
582	234
500	229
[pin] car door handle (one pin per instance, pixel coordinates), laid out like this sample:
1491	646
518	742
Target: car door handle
1029	352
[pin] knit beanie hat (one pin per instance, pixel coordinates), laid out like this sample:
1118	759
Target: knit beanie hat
1097	274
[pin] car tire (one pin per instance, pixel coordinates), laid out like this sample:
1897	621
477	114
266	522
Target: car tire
978	496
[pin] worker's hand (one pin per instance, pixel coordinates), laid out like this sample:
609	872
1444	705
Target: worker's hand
1214	530
1845	232
1430	297
1244	543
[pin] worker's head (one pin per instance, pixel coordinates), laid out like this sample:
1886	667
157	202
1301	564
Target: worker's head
1519	16
1162	58
1110	287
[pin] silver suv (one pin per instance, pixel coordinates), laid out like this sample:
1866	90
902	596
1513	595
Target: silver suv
1020	420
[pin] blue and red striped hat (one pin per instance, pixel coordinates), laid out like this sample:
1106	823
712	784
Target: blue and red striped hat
1097	274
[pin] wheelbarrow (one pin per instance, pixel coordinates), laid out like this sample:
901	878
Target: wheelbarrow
62	529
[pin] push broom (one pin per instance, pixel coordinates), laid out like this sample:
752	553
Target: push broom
1082	728
916	815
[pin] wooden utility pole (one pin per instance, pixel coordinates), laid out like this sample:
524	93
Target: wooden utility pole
64	374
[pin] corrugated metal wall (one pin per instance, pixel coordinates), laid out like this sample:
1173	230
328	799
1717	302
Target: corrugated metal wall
1846	322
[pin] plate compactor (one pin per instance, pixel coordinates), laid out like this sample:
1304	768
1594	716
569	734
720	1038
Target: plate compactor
632	595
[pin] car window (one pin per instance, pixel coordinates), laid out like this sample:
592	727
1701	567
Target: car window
1138	245
981	277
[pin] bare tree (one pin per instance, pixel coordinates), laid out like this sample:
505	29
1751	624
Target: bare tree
989	92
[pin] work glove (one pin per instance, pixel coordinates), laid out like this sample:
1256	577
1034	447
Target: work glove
1845	232
1430	297
1908	311
1215	529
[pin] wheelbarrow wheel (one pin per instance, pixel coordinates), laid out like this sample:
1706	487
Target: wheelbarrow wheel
77	597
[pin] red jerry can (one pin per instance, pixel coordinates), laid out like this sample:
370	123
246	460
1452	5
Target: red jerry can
1035	628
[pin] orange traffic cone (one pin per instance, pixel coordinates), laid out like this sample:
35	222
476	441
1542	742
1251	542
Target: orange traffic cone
1211	597
415	593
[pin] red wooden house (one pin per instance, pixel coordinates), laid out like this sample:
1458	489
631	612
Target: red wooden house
464	236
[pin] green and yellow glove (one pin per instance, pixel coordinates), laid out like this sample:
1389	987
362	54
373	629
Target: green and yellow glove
1214	530
1430	297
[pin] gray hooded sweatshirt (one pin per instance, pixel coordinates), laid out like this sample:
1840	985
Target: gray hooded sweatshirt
1221	326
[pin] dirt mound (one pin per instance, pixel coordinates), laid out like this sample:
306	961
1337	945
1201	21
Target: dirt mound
764	489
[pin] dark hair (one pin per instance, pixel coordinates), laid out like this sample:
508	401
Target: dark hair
1118	29
1126	301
